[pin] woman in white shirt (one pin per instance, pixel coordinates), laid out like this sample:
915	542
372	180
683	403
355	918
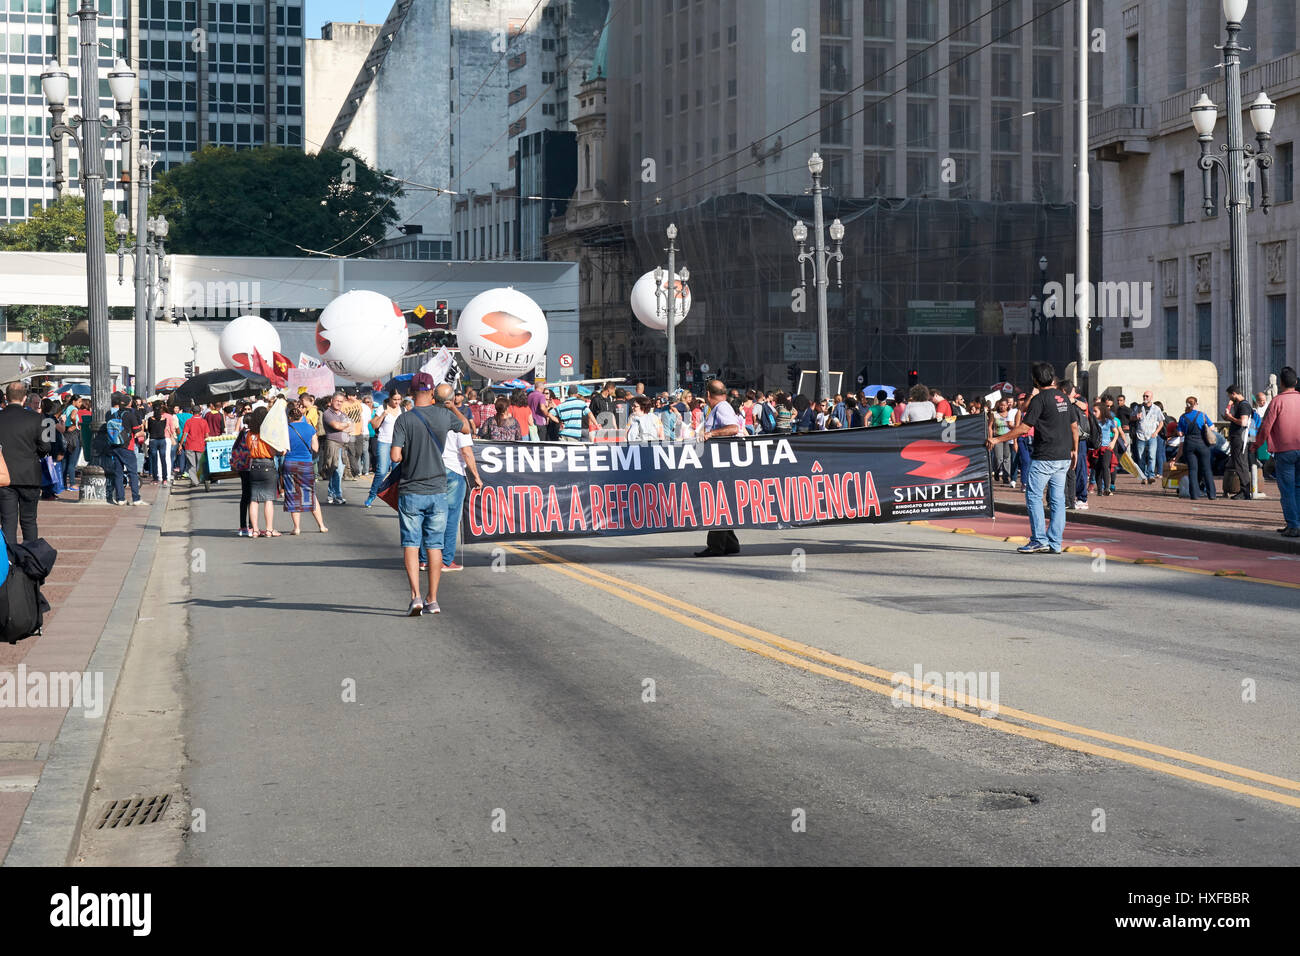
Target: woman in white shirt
457	459
919	407
645	425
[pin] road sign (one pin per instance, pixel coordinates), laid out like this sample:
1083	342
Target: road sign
566	361
419	311
800	346
704	368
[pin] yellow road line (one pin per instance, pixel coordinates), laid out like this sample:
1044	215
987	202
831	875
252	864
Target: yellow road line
814	659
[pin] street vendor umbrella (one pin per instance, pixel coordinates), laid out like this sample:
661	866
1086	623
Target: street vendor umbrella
221	383
76	388
169	384
870	390
511	385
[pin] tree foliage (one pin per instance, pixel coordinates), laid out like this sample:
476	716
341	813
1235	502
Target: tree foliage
59	227
272	201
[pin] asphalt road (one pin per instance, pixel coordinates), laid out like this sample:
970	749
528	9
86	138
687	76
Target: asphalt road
519	727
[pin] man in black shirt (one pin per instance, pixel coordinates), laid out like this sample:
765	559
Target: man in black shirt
23	443
1055	450
1238	414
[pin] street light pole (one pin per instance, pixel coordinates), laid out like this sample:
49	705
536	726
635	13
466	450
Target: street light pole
821	258
672	308
1083	204
121	81
142	372
1262	114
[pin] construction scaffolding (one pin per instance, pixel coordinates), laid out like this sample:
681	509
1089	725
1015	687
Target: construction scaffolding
897	252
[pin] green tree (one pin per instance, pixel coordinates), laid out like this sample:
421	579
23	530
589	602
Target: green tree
59	227
272	201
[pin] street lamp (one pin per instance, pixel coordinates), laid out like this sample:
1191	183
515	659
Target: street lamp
671	310
821	258
93	127
1204	116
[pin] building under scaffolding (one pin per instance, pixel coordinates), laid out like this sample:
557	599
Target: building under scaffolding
900	257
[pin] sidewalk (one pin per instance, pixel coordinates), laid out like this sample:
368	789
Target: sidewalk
98	564
1149	509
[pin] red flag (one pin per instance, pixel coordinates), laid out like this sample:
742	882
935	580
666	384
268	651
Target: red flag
258	365
281	365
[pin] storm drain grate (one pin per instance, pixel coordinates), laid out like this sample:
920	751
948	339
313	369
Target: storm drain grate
133	812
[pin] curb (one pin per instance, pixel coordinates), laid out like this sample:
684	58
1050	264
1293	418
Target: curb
50	828
1238	539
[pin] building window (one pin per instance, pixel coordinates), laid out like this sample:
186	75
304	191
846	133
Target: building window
922	20
961	13
1176	199
1204	331
877	174
920	127
1277	332
1171	332
963	126
1006	129
1003	182
1131	63
1214	197
1046	137
1284	172
1006	22
1006	74
876	61
878	123
920	175
920	72
834	128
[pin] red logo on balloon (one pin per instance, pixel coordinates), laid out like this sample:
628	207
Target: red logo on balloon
322	343
511	331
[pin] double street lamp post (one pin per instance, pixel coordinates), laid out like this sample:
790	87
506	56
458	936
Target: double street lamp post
92	126
674	291
821	258
1238	155
147	264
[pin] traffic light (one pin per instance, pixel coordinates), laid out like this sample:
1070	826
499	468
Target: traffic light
913	377
441	316
189	369
792	370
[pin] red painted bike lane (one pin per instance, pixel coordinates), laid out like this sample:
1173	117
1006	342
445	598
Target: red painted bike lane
1202	557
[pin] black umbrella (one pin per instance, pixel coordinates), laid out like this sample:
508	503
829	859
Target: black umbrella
222	383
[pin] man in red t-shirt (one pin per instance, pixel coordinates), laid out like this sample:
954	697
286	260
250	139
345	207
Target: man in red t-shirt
194	439
216	421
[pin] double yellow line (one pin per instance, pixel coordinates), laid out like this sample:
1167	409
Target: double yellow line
1008	720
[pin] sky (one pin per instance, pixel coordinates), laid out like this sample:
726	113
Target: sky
343	11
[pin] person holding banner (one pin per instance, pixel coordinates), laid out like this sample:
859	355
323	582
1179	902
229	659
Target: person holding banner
722	421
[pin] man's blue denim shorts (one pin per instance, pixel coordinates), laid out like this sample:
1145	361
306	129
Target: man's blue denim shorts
423	519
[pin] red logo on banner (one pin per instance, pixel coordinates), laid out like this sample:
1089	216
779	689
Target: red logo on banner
511	332
937	459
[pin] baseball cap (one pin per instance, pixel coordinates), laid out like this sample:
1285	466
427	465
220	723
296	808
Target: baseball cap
422	382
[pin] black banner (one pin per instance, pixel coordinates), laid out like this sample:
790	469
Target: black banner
563	490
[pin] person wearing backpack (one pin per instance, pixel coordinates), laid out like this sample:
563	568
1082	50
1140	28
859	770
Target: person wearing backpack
122	426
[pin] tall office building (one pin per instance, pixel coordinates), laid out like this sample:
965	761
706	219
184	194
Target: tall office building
33	33
219	73
934	98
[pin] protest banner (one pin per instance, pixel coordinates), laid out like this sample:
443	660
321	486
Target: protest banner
317	381
901	473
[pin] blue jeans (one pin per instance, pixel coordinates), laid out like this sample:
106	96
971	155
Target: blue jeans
383	462
1161	456
126	467
1287	465
336	476
1046	476
1145	455
456	487
1023	458
1081	472
423	521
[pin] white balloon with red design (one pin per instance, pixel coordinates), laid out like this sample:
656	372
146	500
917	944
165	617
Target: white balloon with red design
651	309
361	335
245	335
502	334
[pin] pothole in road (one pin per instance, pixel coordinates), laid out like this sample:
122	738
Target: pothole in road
986	800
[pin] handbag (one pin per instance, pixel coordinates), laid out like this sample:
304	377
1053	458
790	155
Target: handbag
388	491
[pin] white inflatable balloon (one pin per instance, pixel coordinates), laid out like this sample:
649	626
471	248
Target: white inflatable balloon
651	309
244	335
361	335
502	334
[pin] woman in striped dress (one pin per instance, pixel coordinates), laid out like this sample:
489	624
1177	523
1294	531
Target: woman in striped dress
299	471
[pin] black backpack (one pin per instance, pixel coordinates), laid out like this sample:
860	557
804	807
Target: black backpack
22	606
1094	431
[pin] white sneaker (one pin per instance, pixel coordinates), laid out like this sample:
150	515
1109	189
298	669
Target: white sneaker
1081	505
1013	482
